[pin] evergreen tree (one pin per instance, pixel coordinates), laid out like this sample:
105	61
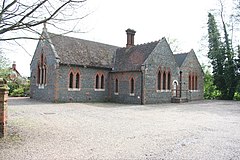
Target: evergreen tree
222	59
237	62
230	66
215	53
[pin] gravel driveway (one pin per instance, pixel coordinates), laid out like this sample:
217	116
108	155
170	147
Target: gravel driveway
197	130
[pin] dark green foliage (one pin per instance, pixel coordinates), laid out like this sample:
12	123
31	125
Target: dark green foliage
223	61
237	93
18	90
210	90
12	86
237	96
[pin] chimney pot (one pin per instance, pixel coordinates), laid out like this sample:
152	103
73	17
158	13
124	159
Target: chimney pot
14	65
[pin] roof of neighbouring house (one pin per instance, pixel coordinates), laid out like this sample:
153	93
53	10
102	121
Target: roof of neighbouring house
82	52
131	59
179	58
14	71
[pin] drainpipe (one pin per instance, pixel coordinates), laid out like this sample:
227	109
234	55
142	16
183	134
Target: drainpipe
180	84
142	84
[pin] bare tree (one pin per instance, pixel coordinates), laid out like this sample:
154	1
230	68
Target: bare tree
237	10
4	61
26	15
174	44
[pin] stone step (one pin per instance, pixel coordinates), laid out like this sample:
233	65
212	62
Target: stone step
179	100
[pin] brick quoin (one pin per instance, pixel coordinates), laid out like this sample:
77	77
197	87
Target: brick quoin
3	110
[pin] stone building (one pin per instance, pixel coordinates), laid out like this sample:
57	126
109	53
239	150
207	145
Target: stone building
66	69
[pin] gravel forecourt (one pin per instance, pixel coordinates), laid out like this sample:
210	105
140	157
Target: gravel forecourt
199	130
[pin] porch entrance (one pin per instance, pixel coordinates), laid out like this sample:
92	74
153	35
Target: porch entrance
178	95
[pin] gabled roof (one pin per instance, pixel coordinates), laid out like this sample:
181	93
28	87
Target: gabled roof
131	59
16	71
82	52
179	58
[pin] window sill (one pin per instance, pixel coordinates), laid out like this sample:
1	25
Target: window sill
73	89
41	86
131	94
100	90
159	91
193	90
116	94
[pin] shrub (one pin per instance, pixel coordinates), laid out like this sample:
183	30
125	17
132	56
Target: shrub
237	96
210	90
19	92
12	86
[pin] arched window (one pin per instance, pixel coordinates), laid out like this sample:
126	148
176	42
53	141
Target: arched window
42	59
42	75
38	75
74	80
77	80
71	80
169	81
42	71
159	80
189	82
132	86
97	82
45	74
196	83
116	85
193	82
164	80
102	82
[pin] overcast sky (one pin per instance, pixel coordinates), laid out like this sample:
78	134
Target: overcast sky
183	20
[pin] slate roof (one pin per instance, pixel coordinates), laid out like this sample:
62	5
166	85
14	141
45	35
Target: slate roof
131	59
82	52
179	58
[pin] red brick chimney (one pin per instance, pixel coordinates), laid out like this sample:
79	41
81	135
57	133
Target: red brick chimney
14	66
130	37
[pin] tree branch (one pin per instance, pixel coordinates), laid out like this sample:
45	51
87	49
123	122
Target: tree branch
225	29
4	9
19	24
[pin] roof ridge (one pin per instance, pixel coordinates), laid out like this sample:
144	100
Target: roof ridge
147	43
142	44
82	39
76	51
181	53
133	57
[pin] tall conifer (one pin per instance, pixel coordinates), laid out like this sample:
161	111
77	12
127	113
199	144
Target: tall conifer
216	54
222	57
